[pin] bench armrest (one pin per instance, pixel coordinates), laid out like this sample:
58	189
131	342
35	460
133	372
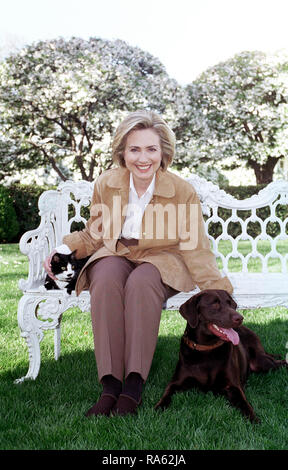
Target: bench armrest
38	243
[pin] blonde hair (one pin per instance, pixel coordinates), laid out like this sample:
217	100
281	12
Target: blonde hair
143	119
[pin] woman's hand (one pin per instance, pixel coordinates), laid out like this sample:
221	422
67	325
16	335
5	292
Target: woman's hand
47	265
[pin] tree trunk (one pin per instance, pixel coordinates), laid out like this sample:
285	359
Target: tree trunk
264	173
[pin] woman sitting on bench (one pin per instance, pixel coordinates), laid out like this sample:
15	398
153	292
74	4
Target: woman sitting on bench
146	242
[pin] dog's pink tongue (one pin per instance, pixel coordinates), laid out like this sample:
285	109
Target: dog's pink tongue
228	334
232	335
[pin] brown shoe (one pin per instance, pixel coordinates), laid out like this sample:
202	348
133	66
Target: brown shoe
125	405
103	406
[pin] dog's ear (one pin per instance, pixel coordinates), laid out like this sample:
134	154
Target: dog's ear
189	310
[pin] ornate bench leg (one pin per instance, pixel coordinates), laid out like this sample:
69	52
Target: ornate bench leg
57	342
27	322
34	357
37	313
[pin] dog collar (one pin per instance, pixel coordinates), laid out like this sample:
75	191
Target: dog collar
201	347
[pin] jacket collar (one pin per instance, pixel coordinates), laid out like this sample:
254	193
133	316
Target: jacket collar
164	186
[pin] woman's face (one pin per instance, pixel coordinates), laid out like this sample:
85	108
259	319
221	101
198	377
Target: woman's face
142	155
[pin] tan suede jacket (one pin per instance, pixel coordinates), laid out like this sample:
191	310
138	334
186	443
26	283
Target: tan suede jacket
173	236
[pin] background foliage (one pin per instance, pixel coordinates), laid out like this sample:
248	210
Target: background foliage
238	114
9	227
61	100
25	202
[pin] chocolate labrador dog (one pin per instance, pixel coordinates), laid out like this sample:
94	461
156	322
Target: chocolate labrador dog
216	352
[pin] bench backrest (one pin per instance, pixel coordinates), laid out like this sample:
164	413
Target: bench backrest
246	235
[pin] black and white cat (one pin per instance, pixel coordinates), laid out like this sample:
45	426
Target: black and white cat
66	268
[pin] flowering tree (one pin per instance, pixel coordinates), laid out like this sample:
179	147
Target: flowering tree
238	111
60	102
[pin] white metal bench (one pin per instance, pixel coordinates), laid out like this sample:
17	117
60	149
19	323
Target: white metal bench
60	209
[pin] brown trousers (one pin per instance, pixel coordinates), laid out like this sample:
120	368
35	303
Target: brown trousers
126	305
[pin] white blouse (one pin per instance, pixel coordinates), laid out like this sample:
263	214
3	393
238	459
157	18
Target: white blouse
135	210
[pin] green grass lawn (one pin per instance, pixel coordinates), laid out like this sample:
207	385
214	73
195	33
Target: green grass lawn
48	413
